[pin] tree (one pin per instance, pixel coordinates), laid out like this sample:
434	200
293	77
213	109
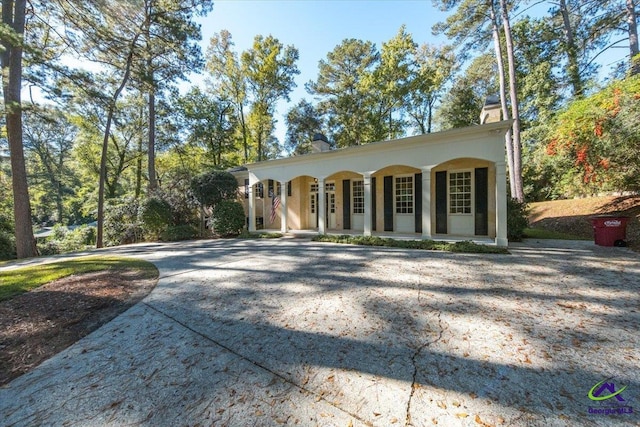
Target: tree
12	35
269	68
463	103
229	82
49	139
170	50
387	87
208	123
303	122
433	69
474	23
599	136
516	163
213	187
339	87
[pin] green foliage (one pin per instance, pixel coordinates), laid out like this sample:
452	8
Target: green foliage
122	223
213	187
598	141
7	246
178	232
14	282
228	218
156	215
466	246
63	240
244	234
517	219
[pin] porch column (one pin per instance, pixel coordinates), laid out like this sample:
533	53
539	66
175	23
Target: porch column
321	208
252	209
426	202
501	204
283	206
367	203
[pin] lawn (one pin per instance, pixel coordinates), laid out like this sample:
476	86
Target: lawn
17	281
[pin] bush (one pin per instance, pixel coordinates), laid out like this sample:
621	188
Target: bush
178	232
228	218
156	215
517	219
63	240
122	224
213	187
7	246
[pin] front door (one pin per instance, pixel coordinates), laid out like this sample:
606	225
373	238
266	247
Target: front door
313	210
330	205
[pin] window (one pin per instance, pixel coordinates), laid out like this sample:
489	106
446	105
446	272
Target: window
332	202
330	186
358	197
312	203
404	194
259	190
460	192
246	189
314	188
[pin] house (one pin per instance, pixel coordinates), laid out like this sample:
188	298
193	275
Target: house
445	185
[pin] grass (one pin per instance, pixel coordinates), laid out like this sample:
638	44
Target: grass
466	246
539	233
14	282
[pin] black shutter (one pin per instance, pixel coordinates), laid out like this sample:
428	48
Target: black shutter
289	188
441	202
482	201
373	204
417	202
388	203
346	204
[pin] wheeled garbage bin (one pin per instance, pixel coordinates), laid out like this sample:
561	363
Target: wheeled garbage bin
610	230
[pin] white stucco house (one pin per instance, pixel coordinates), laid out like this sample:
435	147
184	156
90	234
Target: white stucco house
449	184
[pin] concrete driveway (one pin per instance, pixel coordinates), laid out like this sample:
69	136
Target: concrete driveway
292	332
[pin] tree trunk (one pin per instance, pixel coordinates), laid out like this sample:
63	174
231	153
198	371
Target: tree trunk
572	52
153	183
503	96
515	110
139	161
105	142
633	37
13	16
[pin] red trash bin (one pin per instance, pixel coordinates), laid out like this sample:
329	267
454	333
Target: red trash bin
609	229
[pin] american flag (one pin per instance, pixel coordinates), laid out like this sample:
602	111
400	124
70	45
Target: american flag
275	202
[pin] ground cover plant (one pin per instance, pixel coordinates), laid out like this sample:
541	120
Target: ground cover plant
466	246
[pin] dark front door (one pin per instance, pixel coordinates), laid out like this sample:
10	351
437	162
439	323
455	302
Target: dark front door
441	202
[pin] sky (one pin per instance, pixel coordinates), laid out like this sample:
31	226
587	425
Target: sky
316	27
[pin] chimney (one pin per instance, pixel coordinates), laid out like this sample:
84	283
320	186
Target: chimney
319	143
491	112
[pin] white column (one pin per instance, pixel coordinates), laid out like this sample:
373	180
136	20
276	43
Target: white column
501	204
321	206
283	206
252	209
426	203
367	203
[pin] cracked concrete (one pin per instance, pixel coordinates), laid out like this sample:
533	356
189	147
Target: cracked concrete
291	332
